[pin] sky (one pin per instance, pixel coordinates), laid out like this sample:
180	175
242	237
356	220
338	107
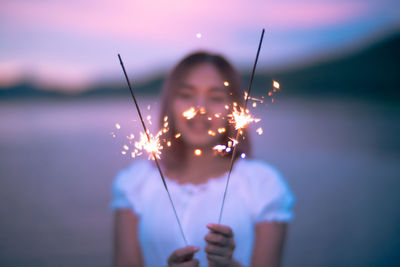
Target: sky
73	44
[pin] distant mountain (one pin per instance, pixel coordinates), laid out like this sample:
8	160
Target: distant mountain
372	72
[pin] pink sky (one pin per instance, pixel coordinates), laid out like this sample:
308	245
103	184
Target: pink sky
74	43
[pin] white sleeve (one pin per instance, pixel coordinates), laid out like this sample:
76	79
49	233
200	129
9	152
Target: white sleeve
128	185
273	199
120	199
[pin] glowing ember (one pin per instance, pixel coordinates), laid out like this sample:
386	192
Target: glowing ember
169	143
260	131
254	104
126	147
197	152
219	148
221	130
177	135
226	83
117	126
190	113
198	35
123	152
165	118
152	146
202	111
210	132
240	118
276	84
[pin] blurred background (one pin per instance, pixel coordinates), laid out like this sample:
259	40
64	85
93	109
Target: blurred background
333	129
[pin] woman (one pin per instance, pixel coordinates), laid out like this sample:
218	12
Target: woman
258	203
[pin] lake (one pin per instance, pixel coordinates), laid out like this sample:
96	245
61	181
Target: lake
341	158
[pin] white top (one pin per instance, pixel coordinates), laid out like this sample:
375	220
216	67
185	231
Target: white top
257	192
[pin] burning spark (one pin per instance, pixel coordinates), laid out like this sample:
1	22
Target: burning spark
202	111
198	35
126	147
197	152
260	131
226	107
149	119
190	113
117	126
226	83
221	130
254	104
151	146
276	84
209	118
210	132
177	135
148	107
165	118
123	152
219	148
169	143
241	118
228	149
243	155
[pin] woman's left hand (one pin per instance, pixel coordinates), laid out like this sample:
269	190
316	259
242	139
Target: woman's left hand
220	245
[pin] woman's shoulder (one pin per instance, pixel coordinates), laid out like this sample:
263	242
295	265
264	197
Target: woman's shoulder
258	170
271	196
132	175
260	175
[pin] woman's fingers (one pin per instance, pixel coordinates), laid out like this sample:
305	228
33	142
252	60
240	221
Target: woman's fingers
182	255
217	250
221	229
219	260
191	263
219	240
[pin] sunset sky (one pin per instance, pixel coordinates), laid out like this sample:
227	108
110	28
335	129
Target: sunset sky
74	43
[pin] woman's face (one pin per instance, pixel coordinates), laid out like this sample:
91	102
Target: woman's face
204	90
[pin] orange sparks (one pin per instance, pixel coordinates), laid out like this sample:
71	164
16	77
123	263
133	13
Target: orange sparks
219	148
221	130
276	84
177	135
210	132
202	111
260	131
151	146
226	83
189	113
165	118
169	143
197	152
254	104
241	118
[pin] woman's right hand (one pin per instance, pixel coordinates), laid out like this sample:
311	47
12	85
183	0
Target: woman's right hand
183	257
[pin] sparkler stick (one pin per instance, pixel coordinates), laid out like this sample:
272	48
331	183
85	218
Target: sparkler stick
153	152
238	132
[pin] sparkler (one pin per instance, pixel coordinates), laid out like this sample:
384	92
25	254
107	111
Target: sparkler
239	130
151	147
